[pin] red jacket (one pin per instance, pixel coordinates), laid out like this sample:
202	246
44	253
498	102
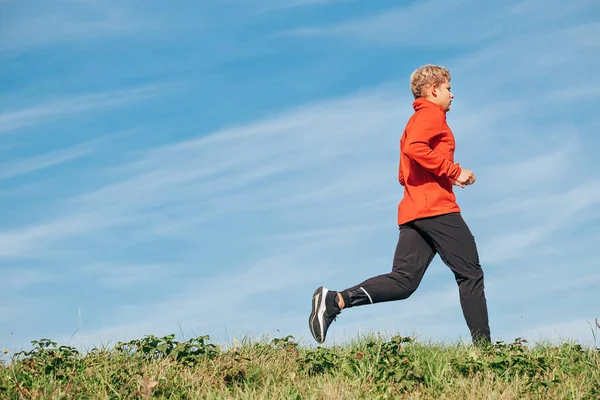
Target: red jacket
427	168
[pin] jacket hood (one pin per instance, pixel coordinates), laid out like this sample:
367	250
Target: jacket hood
422	103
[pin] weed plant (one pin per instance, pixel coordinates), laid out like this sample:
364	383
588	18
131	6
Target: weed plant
371	367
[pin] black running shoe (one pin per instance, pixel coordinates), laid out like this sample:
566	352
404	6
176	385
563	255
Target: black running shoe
324	311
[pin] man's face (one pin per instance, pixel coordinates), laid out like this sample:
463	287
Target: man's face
443	95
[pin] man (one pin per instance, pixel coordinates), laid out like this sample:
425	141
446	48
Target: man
429	218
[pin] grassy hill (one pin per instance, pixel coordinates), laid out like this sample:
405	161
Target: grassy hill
373	367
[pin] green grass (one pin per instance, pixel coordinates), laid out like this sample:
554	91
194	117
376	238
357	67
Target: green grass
371	367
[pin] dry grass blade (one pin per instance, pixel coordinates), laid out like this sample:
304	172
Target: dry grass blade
373	367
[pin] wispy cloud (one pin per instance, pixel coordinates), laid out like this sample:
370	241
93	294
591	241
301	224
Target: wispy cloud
199	180
28	243
202	178
68	106
579	328
520	175
314	166
119	275
542	217
64	21
308	195
268	5
15	279
193	307
26	165
400	25
403	26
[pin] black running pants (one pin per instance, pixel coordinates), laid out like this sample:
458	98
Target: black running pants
419	241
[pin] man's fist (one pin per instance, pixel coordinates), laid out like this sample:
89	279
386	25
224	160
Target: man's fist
466	177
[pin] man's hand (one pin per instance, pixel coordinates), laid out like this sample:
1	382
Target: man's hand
466	177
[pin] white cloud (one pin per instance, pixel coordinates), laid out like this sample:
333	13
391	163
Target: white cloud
404	25
35	163
32	242
550	213
115	275
68	106
561	204
552	166
580	329
314	188
399	25
269	5
15	279
214	175
575	93
66	21
206	304
326	165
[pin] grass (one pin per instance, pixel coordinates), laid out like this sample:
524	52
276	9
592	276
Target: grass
371	367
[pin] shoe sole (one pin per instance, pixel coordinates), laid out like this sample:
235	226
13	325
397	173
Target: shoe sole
316	320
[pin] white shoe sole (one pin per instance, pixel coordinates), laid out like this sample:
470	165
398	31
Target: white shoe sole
316	321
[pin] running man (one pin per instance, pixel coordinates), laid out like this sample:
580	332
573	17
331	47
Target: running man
429	218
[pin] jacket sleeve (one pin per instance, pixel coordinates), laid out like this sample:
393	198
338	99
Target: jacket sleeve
424	129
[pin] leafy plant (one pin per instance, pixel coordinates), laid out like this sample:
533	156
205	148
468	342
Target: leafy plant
387	364
161	367
47	358
188	352
320	361
286	343
509	361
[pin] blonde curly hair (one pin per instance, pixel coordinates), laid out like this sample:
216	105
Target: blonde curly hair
425	76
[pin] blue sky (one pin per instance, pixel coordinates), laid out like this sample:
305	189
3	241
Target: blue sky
202	168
